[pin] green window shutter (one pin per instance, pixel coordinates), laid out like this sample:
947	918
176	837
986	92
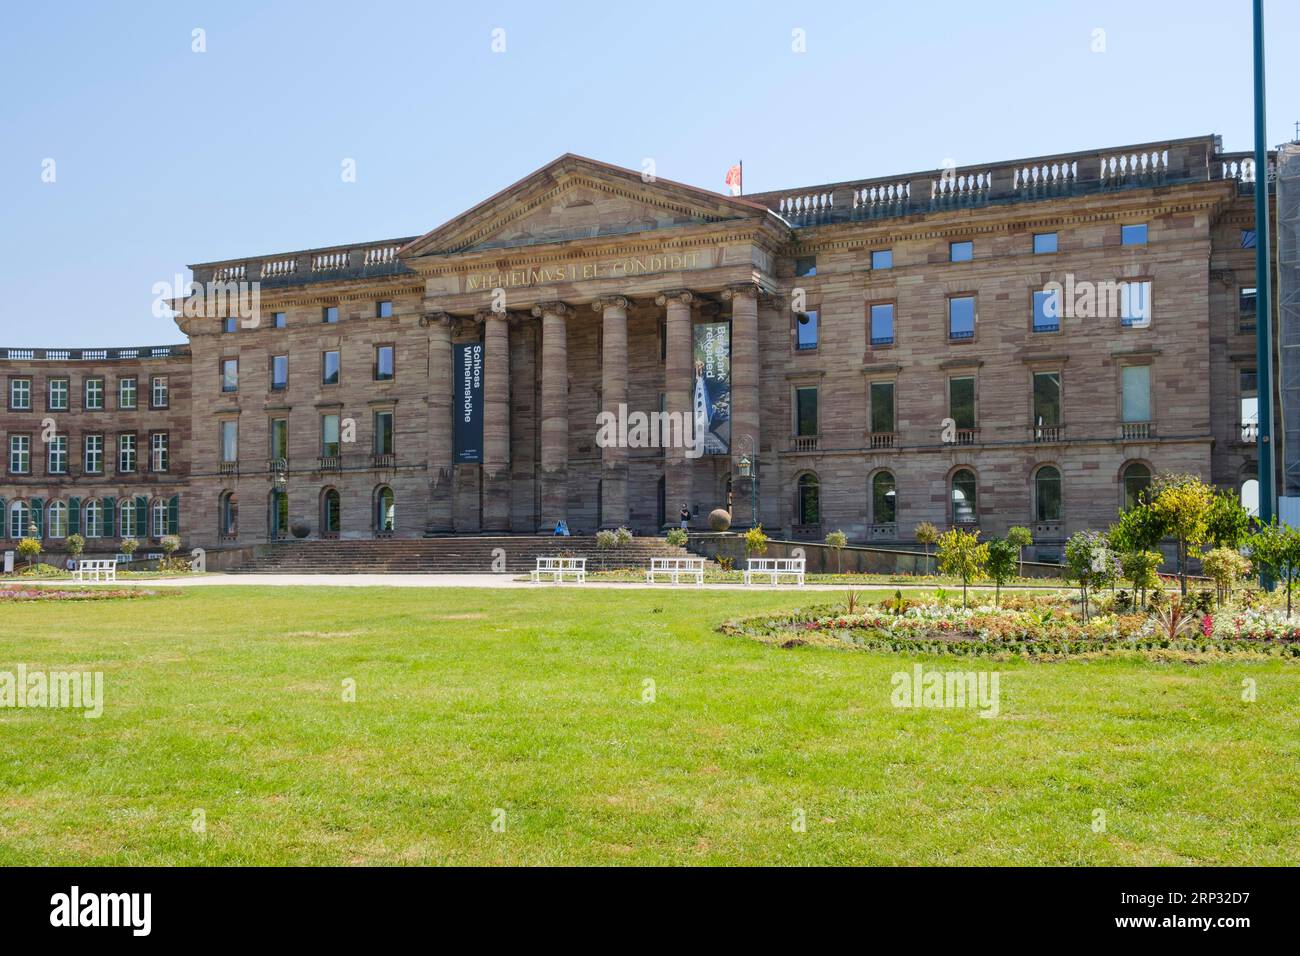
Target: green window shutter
38	516
141	516
174	515
110	519
74	516
4	518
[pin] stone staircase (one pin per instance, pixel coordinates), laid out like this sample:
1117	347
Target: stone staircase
467	555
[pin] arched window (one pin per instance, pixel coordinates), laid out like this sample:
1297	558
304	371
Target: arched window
331	512
808	500
385	510
884	498
1047	494
1136	479
277	518
159	517
228	515
1250	496
964	505
57	520
20	516
92	518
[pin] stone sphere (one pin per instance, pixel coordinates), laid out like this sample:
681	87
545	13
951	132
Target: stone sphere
719	519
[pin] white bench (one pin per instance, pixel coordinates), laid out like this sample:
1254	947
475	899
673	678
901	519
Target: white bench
676	568
774	568
557	568
95	570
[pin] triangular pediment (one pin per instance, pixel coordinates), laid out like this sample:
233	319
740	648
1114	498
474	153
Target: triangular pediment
578	198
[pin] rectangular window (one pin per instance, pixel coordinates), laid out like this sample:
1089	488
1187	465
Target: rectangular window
961	401
159	394
384	309
94	395
383	433
20	454
126	519
330	314
57	398
961	251
228	325
882	259
329	368
230	375
158	451
805	421
961	317
1135	304
882	407
805	266
126	393
329	435
1248	384
1136	387
20	394
279	438
56	461
1246	308
230	442
1047	310
93	457
805	331
279	372
277	319
1044	243
882	324
1047	398
126	453
1133	235
383	363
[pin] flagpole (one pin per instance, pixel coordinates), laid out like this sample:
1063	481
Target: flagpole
742	177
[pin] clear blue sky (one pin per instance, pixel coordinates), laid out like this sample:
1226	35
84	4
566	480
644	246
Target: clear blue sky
165	156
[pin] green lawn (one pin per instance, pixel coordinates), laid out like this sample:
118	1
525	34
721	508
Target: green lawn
229	700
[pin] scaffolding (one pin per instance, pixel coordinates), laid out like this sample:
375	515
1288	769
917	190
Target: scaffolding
1288	322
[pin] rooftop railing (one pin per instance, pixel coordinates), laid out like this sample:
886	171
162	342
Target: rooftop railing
360	261
93	355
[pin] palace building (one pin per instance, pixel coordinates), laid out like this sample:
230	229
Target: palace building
1019	343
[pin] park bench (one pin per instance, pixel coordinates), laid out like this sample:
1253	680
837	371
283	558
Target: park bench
774	568
557	568
676	568
95	570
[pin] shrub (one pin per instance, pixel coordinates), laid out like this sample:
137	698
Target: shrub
678	537
625	536
29	548
1226	567
169	544
724	562
606	540
1140	568
75	544
1088	562
129	546
756	541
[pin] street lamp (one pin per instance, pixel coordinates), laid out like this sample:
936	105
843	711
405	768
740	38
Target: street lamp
749	469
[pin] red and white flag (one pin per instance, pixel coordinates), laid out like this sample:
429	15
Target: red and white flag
735	176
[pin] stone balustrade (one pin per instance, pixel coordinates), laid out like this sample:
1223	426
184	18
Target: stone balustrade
92	355
310	265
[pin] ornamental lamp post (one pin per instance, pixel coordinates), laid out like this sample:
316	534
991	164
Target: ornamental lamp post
749	469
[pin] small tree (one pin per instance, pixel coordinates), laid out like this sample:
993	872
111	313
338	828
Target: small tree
1004	556
1275	551
755	541
677	537
129	546
1228	523
962	556
75	544
605	541
1226	567
170	543
927	535
1140	568
29	548
1087	562
837	541
1020	538
625	536
1183	505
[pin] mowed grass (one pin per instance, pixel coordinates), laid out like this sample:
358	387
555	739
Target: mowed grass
230	701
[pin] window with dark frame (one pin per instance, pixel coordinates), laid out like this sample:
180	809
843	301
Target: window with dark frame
961	317
882	324
805	330
806	411
330	367
383	363
961	401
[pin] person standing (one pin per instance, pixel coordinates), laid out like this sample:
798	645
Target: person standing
685	517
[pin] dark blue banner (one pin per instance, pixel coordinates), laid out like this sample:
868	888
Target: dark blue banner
467	402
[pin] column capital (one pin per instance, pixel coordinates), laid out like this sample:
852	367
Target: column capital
437	318
611	302
751	290
682	296
550	308
482	315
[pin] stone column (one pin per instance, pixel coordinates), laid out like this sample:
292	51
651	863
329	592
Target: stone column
496	421
679	380
613	393
438	325
555	414
745	366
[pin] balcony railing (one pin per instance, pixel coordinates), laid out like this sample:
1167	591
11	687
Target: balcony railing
968	436
383	460
883	439
803	443
329	463
1046	433
277	466
1136	431
883	532
1250	432
228	468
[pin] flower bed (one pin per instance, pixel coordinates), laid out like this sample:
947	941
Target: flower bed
18	593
